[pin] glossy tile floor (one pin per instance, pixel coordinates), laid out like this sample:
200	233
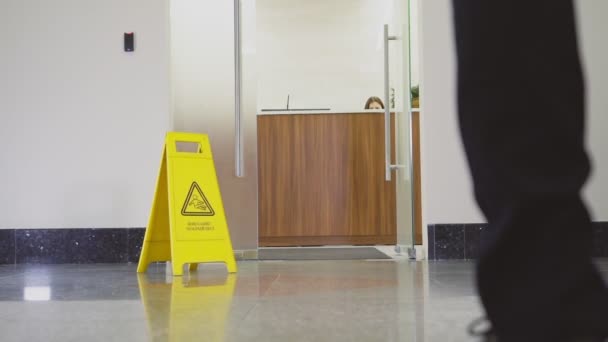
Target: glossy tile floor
266	301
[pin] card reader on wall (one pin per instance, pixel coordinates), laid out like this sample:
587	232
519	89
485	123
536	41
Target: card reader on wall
129	41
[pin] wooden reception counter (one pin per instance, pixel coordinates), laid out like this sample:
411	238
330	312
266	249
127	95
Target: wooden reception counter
321	180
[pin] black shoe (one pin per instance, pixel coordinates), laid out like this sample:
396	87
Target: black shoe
482	328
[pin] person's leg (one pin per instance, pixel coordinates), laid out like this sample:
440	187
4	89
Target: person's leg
521	110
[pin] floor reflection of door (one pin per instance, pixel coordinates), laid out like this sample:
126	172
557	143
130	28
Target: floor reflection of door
321	180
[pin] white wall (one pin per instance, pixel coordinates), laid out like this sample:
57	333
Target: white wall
414	24
326	54
81	122
447	192
593	29
446	187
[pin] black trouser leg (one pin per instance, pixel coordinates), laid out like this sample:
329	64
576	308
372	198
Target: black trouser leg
521	110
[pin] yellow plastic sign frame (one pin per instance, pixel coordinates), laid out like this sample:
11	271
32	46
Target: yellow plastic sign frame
187	224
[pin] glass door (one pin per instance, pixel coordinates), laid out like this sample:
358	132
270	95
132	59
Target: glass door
330	170
402	166
212	89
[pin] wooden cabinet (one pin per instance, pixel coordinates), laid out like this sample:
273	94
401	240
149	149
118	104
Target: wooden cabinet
321	180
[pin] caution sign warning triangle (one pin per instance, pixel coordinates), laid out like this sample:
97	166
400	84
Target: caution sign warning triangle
196	203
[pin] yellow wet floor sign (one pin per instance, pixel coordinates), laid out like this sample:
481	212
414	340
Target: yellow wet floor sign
187	224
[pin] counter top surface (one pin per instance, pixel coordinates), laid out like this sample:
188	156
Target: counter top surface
316	112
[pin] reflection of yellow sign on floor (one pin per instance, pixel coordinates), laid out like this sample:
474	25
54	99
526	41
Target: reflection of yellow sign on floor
187	224
187	309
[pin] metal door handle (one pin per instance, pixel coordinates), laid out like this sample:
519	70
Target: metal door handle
238	115
387	109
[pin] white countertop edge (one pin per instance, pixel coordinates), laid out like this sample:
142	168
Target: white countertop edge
313	112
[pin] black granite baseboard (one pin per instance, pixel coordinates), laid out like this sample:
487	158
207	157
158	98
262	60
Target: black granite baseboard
7	246
70	246
462	241
88	246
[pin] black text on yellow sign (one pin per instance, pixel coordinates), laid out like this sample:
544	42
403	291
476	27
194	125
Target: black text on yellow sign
187	224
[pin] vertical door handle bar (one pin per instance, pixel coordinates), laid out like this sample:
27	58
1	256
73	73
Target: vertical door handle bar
238	115
387	107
